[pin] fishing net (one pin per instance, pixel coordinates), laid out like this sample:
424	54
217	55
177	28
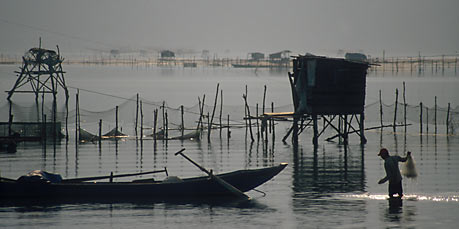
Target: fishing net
131	110
409	168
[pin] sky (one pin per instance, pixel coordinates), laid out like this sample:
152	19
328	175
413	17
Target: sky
322	27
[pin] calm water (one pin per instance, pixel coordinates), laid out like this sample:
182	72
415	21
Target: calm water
332	186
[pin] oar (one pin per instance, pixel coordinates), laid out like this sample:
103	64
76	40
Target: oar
223	183
111	176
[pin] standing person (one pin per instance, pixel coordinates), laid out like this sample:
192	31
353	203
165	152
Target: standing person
392	172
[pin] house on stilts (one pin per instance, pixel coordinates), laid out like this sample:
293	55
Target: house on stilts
330	89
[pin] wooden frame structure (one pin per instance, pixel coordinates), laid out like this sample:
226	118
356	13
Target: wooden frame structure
329	89
42	70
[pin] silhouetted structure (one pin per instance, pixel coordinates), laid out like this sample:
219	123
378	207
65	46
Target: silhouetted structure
257	56
167	54
329	88
41	70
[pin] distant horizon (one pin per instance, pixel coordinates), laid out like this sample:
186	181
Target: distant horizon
233	28
242	54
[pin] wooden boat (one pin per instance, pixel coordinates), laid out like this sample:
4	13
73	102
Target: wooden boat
171	187
196	134
193	135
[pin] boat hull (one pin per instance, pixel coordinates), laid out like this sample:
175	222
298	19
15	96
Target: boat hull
244	180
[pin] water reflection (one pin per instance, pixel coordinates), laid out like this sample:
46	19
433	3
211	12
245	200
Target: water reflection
323	172
397	213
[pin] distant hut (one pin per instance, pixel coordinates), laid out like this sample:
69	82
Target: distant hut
280	59
282	55
356	57
114	52
167	54
255	56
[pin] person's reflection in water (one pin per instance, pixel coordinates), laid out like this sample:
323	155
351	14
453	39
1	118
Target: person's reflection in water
395	205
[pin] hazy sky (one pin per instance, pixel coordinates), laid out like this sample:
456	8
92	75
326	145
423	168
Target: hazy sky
401	27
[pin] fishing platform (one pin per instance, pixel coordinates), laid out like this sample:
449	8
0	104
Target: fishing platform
330	89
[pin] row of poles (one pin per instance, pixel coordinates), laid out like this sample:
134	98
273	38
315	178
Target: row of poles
139	120
421	113
416	64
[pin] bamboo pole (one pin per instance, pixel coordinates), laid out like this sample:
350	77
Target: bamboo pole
141	122
213	111
116	121
272	121
201	113
76	116
395	111
228	132
166	127
100	131
155	119
209	126
10	117
245	109
380	110
404	105
221	112
264	99
223	183
447	119
164	117
182	126
257	123
136	115
435	115
455	65
248	118
427	120
420	118
83	179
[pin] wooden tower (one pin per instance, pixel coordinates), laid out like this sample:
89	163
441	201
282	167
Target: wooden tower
42	70
41	73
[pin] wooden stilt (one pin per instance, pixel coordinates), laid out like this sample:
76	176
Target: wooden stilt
363	140
315	138
345	129
340	128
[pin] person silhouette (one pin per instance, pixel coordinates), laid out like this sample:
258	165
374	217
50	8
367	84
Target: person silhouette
392	172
